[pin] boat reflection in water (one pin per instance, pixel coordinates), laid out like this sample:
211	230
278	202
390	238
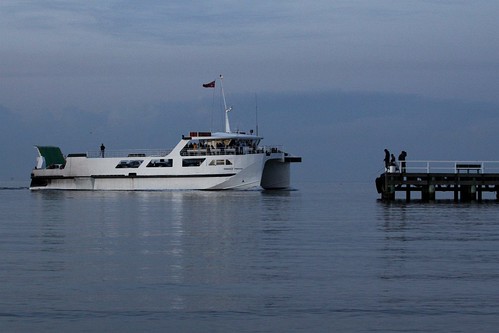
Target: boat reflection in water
197	249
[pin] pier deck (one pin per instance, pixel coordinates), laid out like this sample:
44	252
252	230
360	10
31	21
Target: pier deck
467	180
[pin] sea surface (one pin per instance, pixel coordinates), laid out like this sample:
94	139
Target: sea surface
324	257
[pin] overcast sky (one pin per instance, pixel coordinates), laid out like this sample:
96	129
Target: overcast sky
337	81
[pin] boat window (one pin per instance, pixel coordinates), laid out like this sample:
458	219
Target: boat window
129	164
220	162
160	163
192	162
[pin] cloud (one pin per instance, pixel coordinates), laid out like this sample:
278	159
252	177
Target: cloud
434	48
346	76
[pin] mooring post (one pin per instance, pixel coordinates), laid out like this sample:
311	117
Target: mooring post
431	189
407	193
428	191
424	191
468	193
464	193
388	192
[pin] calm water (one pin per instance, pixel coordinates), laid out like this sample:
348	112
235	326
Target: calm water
326	257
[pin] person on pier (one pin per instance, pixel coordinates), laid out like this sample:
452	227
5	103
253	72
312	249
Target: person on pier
393	162
387	160
402	157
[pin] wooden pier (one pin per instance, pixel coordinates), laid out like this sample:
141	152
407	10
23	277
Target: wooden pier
466	180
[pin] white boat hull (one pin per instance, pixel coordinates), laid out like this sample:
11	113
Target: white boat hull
134	183
248	172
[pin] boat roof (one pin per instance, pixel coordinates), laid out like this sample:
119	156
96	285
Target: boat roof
221	135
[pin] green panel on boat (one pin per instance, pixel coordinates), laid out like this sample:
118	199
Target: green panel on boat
51	154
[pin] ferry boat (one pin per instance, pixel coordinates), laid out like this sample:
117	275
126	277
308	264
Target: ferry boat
200	161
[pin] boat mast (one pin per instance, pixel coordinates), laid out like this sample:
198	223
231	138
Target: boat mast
227	110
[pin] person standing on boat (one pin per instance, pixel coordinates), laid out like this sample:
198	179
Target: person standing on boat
102	149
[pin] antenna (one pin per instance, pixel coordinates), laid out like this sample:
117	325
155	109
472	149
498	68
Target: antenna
256	113
227	110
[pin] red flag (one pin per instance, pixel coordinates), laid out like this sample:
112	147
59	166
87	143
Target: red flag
209	85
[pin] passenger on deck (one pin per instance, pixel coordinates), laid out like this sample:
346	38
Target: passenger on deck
102	149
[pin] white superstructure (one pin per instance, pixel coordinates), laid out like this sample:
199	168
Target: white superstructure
201	160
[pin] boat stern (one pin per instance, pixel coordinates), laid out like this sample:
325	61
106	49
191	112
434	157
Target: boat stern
277	172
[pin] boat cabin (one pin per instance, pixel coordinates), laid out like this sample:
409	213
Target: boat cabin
206	143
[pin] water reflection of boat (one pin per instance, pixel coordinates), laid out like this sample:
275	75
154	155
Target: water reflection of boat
201	160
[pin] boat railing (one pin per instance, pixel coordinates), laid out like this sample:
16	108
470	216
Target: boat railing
129	153
242	150
273	149
420	166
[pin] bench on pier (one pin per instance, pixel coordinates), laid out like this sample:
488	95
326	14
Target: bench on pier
468	167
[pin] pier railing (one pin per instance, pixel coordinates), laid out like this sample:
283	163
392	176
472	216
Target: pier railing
419	166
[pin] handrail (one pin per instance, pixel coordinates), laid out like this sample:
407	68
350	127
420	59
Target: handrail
434	166
199	151
128	152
